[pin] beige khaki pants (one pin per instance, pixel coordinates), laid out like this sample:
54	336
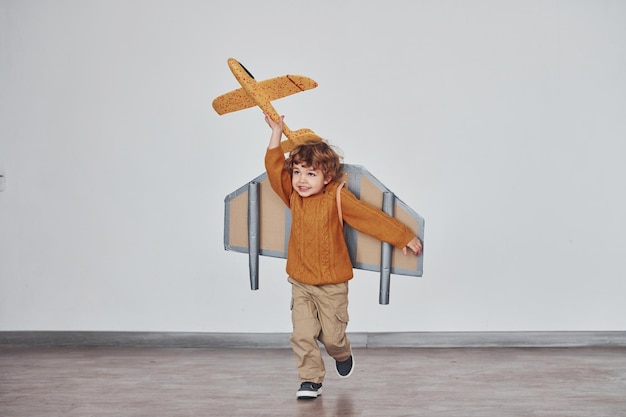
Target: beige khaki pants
318	312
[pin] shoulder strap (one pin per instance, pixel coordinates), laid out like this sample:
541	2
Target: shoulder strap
338	195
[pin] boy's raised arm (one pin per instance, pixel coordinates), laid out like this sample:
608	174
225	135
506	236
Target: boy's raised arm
277	131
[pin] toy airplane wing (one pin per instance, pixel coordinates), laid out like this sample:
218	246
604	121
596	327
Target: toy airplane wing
270	90
257	222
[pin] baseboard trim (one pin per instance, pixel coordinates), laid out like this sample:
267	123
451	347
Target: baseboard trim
281	340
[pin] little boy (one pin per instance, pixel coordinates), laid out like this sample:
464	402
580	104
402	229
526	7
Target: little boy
318	263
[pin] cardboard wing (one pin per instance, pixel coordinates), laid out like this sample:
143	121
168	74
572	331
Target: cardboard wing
257	222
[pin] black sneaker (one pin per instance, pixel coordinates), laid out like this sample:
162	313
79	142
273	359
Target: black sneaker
345	368
309	390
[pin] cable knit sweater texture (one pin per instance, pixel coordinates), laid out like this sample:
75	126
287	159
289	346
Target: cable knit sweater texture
317	253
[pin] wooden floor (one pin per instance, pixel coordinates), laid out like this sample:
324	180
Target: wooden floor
482	382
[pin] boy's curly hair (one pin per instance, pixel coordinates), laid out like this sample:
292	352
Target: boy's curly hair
317	154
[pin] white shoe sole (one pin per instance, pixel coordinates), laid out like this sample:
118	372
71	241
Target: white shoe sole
351	369
309	394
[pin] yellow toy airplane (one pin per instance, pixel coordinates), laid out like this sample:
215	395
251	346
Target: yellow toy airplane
260	94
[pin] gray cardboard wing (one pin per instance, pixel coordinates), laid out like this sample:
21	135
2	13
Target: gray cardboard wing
257	222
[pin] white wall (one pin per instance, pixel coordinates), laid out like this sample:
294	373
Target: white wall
501	122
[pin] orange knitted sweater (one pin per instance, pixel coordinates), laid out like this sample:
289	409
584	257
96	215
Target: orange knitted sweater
317	253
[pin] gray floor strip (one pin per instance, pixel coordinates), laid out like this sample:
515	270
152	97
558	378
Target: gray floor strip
281	340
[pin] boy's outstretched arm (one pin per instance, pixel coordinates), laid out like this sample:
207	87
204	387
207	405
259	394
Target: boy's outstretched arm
277	131
415	245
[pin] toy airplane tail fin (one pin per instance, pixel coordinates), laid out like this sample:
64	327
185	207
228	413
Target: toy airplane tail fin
302	135
298	136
